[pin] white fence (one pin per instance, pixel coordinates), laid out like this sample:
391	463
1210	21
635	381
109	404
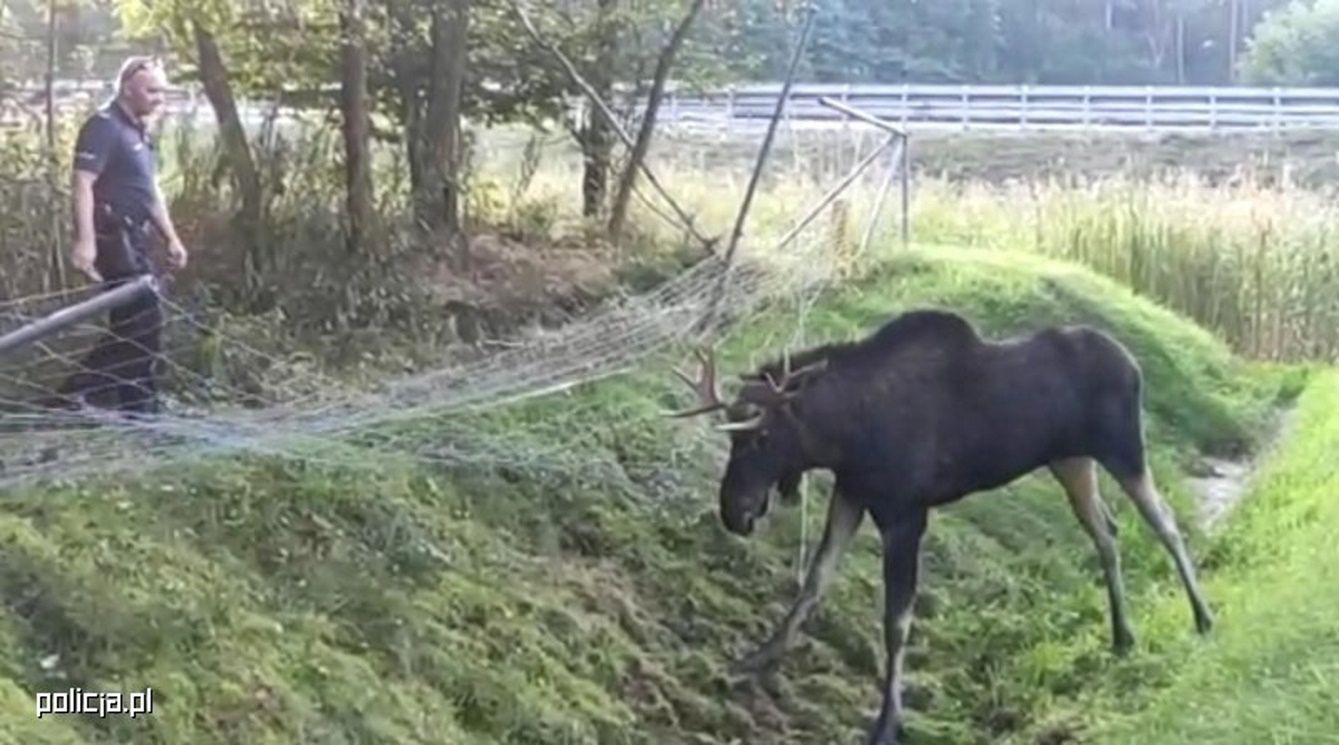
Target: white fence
1154	108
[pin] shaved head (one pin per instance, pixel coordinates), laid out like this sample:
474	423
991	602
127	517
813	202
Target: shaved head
140	85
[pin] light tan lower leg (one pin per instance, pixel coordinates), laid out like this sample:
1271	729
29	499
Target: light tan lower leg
1159	516
1078	476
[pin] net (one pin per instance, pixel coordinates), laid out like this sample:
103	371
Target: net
452	414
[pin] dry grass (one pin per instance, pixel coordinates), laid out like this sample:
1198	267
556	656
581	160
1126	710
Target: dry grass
1255	264
1249	255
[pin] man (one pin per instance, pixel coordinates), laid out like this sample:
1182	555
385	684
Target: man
116	199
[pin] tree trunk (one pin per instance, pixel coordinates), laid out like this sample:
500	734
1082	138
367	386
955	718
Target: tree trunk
642	144
1180	48
56	255
406	81
438	197
1232	42
353	105
596	137
218	89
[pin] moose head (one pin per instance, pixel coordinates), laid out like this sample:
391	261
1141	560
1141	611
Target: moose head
770	443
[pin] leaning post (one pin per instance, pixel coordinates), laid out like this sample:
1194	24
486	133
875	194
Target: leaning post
80	311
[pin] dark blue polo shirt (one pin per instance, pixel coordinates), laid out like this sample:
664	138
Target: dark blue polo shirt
114	146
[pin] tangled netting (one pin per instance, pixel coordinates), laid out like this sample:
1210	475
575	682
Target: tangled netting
309	416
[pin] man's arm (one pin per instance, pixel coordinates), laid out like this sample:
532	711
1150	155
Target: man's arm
84	251
81	185
163	221
92	148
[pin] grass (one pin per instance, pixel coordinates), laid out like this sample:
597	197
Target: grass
1255	264
381	602
1234	233
600	602
1270	672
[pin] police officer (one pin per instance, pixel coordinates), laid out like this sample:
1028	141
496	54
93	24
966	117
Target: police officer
116	202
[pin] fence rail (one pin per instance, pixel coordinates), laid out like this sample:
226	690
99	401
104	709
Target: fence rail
1021	107
914	106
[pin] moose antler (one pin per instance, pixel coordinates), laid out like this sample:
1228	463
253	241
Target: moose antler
767	391
708	397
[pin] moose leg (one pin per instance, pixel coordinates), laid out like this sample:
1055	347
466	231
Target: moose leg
1079	478
1159	516
844	518
901	565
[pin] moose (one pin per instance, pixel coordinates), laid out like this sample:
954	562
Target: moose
923	412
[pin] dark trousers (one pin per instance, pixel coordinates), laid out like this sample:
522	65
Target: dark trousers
119	371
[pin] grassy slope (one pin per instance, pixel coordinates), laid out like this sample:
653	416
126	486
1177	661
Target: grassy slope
276	602
1271	671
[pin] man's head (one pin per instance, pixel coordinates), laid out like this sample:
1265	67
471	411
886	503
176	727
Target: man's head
140	86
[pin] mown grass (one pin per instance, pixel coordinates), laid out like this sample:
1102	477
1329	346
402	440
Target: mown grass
376	601
1270	672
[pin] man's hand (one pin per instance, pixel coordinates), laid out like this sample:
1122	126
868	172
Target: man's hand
83	256
177	253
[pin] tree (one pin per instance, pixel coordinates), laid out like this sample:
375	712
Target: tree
1296	45
353	106
664	62
420	83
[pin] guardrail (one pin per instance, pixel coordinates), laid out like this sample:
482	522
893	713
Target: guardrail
1154	108
1021	107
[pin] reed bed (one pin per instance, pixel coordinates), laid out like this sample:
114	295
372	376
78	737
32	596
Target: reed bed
1252	257
1253	263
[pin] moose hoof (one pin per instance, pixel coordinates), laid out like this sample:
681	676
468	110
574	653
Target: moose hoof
1203	622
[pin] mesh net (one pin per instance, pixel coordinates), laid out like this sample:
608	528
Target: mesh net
299	413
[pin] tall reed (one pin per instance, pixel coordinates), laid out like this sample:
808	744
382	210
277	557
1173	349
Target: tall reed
1254	263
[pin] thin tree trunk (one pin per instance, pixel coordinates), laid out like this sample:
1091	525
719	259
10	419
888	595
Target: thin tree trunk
1232	41
664	62
458	39
1180	48
353	102
406	84
218	89
439	194
596	138
56	255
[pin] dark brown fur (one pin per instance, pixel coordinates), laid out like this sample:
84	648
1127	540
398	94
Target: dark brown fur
924	412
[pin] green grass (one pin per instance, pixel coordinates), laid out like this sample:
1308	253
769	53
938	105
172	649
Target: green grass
379	602
1234	234
1270	672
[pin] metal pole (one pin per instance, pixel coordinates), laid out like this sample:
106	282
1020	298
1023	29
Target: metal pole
862	116
796	54
894	165
612	120
771	133
76	313
906	192
835	192
903	159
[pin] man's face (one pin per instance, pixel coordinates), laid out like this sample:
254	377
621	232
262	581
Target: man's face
143	92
